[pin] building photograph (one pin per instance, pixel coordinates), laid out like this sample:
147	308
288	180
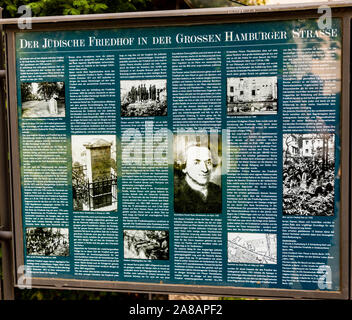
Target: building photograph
143	98
94	173
251	96
308	174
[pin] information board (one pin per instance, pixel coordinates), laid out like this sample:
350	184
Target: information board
186	156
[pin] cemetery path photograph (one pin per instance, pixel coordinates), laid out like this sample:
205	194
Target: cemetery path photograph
43	99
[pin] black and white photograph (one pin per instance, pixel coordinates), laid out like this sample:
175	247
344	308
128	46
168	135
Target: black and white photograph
43	99
143	98
252	96
94	172
197	173
308	174
252	248
146	244
46	241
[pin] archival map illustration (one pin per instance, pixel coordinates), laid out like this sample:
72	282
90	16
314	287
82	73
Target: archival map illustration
252	248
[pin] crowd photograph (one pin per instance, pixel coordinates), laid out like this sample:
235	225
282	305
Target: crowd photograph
47	241
308	174
143	98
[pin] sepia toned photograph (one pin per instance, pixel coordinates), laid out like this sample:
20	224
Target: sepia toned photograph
197	173
308	174
143	98
146	244
94	172
251	96
252	248
43	99
47	241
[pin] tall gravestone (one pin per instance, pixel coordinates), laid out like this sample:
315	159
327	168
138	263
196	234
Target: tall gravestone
98	154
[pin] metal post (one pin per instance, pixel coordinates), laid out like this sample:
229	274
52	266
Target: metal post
8	287
0	279
5	217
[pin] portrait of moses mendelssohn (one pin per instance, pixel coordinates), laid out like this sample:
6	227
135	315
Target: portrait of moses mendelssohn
195	190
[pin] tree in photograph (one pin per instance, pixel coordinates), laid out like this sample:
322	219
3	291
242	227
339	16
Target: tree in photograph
78	172
290	146
320	148
26	91
147	244
325	153
47	89
158	245
61	90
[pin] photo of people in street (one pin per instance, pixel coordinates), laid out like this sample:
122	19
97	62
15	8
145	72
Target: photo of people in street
47	241
308	174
